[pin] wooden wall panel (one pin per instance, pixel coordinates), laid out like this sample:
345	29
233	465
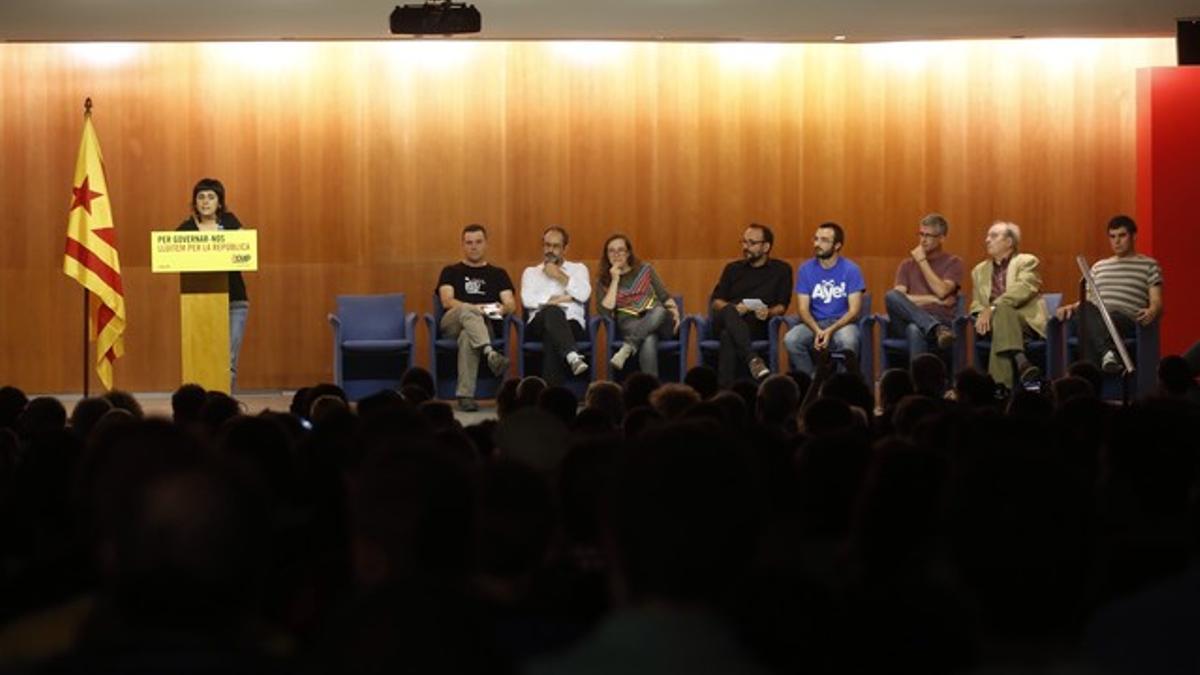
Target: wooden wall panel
360	162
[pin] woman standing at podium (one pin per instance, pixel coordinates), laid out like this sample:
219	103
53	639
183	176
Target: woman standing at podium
208	213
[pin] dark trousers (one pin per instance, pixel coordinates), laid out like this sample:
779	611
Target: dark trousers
558	336
736	332
1096	334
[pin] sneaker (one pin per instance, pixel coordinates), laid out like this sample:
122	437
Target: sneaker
1111	364
758	368
618	360
467	404
944	337
577	364
497	363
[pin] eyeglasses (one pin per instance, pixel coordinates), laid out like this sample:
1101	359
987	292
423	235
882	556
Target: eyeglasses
929	235
751	242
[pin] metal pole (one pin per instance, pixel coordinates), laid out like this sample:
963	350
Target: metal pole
86	374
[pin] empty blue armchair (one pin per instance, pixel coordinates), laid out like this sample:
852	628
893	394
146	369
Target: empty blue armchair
672	353
372	342
1046	353
529	356
897	351
443	357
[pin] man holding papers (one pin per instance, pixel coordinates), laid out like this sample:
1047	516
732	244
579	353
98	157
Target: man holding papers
476	296
750	292
829	292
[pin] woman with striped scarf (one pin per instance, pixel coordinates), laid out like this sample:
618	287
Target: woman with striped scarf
637	300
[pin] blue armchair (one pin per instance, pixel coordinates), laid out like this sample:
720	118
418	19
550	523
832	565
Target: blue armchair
1143	346
1049	349
443	357
709	345
896	351
532	350
866	351
372	342
672	354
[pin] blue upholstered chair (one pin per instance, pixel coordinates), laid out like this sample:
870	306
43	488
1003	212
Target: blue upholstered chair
672	354
529	356
372	342
1047	353
1142	346
896	351
708	344
443	357
866	351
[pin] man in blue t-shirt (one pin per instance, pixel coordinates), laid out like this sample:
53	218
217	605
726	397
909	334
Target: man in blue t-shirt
829	292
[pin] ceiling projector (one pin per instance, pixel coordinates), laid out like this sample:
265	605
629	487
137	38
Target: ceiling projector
435	18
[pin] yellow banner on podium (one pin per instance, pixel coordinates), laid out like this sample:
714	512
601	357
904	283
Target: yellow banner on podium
208	251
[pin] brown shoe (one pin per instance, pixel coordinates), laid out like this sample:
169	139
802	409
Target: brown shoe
758	368
944	336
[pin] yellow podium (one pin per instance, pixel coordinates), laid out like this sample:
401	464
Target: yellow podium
204	261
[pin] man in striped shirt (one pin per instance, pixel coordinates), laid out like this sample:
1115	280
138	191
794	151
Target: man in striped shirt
1130	285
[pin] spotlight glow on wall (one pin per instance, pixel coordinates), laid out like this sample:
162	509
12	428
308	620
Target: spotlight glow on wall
749	55
432	54
1062	55
910	57
105	54
263	55
590	53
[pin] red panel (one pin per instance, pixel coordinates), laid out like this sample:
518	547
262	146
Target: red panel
1168	192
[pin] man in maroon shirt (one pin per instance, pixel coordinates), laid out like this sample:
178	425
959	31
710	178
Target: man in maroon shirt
927	285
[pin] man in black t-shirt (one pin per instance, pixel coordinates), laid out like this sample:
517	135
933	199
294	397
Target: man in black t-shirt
750	292
476	296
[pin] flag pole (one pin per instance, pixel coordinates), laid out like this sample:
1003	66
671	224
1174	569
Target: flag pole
87	113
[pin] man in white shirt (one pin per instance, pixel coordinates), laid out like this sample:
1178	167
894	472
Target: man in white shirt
554	293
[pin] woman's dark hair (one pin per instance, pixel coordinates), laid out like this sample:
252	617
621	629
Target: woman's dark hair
605	265
210	184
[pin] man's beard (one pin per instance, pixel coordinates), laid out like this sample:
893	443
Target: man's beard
823	255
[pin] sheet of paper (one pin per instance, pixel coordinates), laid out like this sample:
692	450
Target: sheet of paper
754	304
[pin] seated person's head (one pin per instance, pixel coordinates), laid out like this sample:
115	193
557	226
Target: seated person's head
827	416
1069	387
703	379
43	417
86	413
421	378
672	400
851	389
606	397
12	402
974	388
528	391
928	375
778	399
1175	377
560	402
638	388
894	385
1088	371
506	397
186	403
125	401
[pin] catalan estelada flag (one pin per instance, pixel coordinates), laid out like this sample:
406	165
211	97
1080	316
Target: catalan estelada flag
91	254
